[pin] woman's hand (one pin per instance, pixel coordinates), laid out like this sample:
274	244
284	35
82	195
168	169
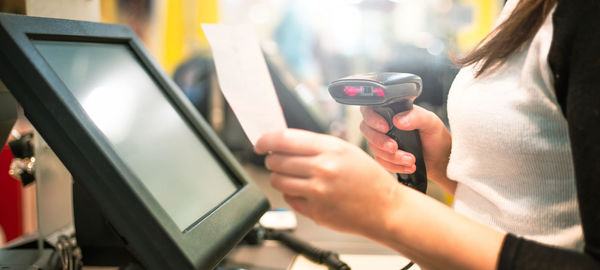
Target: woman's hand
435	139
339	186
329	180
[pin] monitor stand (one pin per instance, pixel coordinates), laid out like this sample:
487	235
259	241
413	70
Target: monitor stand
100	243
8	113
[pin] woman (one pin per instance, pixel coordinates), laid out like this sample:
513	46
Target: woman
531	84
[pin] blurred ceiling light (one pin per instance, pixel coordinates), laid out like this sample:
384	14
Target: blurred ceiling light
423	39
444	6
259	13
409	19
436	47
345	28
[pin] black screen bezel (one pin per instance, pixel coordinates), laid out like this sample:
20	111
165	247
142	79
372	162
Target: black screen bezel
151	234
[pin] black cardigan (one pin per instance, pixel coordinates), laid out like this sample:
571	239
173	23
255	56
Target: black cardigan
575	62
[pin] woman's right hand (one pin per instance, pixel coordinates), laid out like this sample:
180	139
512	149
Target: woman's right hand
435	140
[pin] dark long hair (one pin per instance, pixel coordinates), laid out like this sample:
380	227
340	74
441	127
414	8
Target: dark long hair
521	26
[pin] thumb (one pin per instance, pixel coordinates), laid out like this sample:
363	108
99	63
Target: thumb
417	118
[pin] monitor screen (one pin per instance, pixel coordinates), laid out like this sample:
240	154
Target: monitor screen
144	128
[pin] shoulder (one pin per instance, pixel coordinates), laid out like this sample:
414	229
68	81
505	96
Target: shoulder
576	21
576	8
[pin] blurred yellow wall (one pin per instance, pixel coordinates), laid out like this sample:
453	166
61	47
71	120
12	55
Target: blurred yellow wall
175	31
108	11
485	14
184	35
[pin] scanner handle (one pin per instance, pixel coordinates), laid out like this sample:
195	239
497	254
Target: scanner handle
409	141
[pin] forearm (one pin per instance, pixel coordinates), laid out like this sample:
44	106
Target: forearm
435	237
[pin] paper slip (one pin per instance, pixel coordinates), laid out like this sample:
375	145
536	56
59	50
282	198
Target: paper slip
244	78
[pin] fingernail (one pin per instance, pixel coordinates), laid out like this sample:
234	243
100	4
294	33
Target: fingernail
407	159
390	147
401	120
381	127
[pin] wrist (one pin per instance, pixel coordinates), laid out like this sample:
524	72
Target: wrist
425	231
389	228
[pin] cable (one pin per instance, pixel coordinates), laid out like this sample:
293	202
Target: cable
320	256
408	266
69	253
328	258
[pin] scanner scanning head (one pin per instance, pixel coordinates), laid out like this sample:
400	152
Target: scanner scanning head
378	89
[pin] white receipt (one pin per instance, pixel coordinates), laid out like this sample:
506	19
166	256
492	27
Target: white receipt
244	78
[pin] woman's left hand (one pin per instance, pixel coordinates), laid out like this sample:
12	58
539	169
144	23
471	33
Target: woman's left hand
329	180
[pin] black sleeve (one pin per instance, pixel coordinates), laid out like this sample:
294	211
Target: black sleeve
519	253
575	62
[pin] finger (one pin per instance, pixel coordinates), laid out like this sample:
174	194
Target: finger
290	141
374	120
293	165
417	118
395	167
297	203
377	139
289	185
399	157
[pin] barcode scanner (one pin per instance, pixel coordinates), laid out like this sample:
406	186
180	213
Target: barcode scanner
388	93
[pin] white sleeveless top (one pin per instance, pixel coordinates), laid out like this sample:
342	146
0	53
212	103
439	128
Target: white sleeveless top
510	152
